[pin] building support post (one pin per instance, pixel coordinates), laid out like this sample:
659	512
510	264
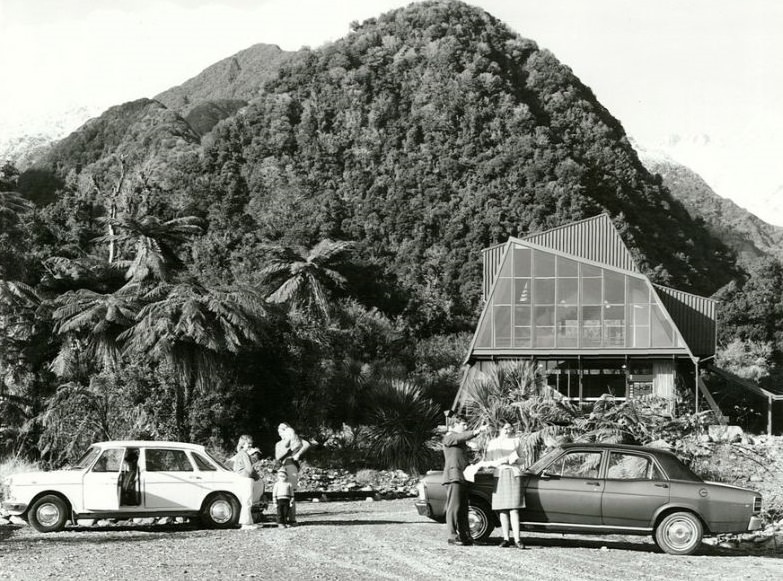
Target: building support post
769	415
696	387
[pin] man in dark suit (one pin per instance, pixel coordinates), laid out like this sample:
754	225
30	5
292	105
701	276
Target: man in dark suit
456	460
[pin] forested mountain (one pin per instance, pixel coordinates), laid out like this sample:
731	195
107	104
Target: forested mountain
320	241
750	236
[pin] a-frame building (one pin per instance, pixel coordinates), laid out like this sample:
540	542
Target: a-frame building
573	300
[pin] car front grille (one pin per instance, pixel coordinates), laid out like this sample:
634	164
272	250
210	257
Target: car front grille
757	504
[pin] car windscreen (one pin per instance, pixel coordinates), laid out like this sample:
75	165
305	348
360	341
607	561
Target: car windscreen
87	459
544	461
216	461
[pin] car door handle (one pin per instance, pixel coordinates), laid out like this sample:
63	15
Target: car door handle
661	485
195	478
593	483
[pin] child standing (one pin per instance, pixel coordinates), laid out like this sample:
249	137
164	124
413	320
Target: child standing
283	497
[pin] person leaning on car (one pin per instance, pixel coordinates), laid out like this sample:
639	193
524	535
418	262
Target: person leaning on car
455	454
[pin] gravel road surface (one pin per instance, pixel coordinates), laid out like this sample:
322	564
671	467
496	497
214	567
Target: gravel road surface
352	541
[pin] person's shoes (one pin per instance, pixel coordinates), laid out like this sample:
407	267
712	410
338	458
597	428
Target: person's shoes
467	541
506	543
452	541
519	545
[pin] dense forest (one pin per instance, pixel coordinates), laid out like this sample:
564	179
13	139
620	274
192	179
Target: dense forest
309	249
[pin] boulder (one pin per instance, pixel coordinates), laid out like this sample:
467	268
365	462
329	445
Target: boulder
725	433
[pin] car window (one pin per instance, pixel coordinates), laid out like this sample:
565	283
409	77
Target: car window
202	463
624	466
87	459
576	465
110	460
163	460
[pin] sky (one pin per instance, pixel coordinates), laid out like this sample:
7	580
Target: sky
698	80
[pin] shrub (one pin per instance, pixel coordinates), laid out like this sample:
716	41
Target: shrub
401	430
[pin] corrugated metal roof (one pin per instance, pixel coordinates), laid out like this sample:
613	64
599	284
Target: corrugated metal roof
594	239
694	316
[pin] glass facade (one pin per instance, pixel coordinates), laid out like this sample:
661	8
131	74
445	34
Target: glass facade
545	301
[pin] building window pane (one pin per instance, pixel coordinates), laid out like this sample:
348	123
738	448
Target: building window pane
545	326
521	261
638	291
545	336
591	291
567	289
544	291
591	326
614	325
588	271
543	264
640	325
484	338
614	287
567	267
502	294
567	326
521	326
502	320
662	332
522	291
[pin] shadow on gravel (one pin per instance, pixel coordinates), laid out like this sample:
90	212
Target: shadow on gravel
7	530
535	542
320	523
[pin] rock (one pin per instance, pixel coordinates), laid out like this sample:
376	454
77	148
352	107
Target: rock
4	521
17	520
725	433
85	522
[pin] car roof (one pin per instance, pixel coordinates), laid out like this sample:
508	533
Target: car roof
627	447
149	444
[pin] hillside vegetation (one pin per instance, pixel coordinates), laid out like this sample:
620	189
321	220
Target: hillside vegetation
196	267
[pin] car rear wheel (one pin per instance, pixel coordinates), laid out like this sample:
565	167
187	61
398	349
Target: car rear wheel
480	520
48	514
221	511
679	533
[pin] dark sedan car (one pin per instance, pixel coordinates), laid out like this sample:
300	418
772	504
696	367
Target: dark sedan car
611	489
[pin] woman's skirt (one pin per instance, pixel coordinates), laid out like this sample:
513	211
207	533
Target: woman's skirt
508	493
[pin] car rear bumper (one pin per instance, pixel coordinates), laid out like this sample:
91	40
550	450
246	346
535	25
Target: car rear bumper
755	523
14	508
424	508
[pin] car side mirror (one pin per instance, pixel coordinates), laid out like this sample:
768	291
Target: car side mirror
545	475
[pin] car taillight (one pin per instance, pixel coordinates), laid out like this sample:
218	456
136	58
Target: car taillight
422	491
757	504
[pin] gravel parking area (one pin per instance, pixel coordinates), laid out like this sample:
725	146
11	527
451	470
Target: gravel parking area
352	541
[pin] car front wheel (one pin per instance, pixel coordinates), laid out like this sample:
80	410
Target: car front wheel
48	514
480	520
220	511
679	533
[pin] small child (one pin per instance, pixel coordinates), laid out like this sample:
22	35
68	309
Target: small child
283	497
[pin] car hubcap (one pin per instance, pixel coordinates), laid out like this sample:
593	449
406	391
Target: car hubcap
476	524
48	514
220	511
680	534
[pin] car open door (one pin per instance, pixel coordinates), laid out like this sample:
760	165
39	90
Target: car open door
102	481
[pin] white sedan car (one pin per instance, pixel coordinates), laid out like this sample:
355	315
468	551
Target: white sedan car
130	479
